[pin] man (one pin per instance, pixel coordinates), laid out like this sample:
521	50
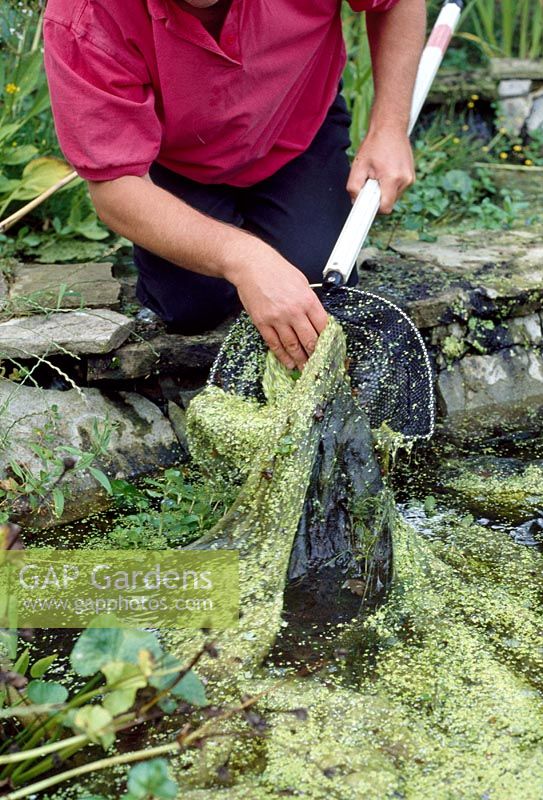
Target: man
213	136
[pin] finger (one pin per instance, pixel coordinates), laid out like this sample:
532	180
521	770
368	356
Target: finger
358	176
405	182
274	343
317	315
291	343
389	194
306	334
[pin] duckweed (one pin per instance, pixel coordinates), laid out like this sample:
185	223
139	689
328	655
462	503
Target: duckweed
436	695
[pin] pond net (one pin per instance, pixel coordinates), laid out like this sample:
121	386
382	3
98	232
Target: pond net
387	361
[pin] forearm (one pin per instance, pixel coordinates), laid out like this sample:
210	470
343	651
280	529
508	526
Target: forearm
157	220
396	39
275	294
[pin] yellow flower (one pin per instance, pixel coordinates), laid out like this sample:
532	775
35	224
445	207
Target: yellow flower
465	127
456	140
471	104
474	96
484	148
12	88
517	148
503	155
529	162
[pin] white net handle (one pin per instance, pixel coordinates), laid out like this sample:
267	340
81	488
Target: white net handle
366	205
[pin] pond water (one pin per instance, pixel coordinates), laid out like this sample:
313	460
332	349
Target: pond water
436	694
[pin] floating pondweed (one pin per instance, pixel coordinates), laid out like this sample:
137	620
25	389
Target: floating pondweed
437	695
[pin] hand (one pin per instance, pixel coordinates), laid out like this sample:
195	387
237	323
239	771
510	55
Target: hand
385	155
281	304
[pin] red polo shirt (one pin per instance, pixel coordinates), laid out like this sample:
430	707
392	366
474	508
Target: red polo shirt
134	81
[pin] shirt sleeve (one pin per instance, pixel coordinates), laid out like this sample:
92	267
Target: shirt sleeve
103	105
372	5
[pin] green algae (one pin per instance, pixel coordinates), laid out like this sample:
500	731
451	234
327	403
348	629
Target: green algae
438	694
497	489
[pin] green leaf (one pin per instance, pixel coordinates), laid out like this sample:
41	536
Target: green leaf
7	185
127	679
152	779
168	663
58	501
7	131
97	723
41	174
45	692
28	73
40	667
167	705
102	478
457	180
69	250
21	665
97	646
191	689
19	155
91	228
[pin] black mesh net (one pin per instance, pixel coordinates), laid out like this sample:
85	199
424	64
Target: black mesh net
387	361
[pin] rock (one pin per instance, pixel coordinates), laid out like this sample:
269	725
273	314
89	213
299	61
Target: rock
454	85
64	286
514	87
525	330
527	180
141	439
505	275
433	310
77	332
513	113
499	380
166	352
535	120
504	68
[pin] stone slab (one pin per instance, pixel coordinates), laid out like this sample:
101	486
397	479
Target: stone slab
167	353
64	286
514	87
77	332
459	275
504	68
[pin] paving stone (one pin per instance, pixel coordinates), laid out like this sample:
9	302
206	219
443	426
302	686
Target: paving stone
65	286
77	332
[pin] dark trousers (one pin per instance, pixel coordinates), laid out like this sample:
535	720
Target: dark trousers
299	210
